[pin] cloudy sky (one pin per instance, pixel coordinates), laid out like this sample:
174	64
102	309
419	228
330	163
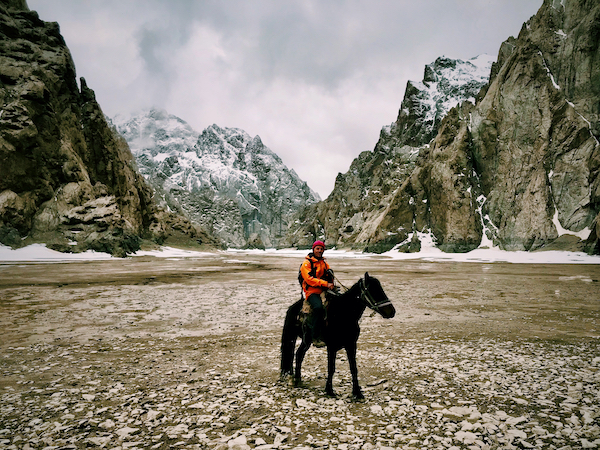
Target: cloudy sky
315	79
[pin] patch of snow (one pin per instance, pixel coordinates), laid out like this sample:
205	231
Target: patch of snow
586	121
486	242
583	234
429	252
161	157
554	83
40	253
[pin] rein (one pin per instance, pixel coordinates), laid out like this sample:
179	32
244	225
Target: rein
340	283
368	298
365	295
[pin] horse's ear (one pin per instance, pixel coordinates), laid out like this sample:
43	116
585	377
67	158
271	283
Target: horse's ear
366	276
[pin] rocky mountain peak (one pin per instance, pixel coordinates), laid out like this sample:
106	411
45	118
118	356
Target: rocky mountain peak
360	211
513	162
446	83
66	179
222	177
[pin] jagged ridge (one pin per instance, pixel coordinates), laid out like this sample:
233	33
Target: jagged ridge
66	179
222	178
519	170
360	211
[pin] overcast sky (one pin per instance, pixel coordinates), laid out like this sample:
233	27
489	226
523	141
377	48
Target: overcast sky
315	79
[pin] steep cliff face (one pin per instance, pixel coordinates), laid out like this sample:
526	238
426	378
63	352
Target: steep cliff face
66	178
380	202
535	133
446	83
519	169
222	178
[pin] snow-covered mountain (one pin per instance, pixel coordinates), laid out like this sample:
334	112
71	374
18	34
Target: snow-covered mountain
222	178
446	83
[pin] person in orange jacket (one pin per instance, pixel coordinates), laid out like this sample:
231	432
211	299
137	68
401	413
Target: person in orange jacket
318	278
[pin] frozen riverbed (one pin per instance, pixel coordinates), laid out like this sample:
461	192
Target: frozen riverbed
183	352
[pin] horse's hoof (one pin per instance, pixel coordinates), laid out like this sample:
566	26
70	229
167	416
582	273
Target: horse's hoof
358	397
284	377
330	393
297	382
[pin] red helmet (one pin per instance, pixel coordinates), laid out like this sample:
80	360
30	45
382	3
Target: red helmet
321	243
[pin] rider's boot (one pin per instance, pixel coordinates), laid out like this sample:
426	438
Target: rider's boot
318	331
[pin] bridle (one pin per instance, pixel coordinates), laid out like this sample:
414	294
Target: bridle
366	296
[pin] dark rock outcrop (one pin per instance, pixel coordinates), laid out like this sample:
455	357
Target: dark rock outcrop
66	178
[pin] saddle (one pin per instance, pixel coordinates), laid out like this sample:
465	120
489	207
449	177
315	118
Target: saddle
307	309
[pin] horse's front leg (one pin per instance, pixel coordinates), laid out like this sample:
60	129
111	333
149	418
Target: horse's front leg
356	390
331	354
300	353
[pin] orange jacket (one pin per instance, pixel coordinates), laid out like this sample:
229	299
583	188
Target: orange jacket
313	284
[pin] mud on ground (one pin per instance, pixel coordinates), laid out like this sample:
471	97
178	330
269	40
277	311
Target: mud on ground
184	353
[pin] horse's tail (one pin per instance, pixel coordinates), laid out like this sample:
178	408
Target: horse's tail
288	338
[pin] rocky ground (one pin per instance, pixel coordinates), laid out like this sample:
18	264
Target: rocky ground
184	353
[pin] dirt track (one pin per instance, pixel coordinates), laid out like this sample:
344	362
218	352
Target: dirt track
154	353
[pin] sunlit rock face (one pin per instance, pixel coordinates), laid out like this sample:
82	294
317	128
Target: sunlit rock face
66	178
515	166
535	133
222	178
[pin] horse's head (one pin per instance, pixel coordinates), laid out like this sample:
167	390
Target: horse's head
373	295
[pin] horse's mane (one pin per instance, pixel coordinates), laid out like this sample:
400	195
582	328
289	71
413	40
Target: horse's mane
352	292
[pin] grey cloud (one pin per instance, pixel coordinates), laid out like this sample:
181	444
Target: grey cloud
326	42
300	73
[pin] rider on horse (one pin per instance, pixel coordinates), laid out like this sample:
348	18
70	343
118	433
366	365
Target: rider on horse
318	278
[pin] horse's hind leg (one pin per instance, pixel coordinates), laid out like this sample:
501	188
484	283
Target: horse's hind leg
331	354
356	390
288	339
300	353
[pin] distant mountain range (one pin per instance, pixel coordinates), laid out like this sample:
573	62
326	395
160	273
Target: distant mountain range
223	179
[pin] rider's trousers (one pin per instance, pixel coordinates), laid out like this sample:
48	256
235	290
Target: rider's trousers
316	317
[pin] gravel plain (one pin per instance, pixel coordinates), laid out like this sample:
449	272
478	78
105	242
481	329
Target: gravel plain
184	353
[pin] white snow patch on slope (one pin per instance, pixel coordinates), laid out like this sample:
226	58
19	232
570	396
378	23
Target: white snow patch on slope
583	234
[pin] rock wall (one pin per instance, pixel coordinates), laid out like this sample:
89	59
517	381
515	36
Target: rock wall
66	178
535	133
384	198
519	168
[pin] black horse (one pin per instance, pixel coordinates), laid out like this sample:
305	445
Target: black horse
341	330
